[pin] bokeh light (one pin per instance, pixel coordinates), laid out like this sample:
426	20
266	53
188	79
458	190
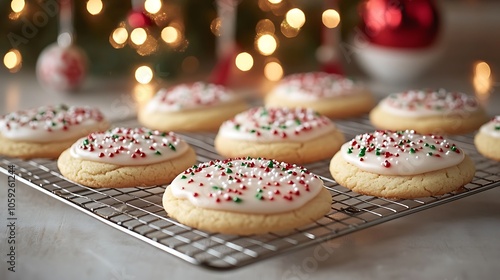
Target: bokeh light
273	71
244	61
94	7
138	36
330	18
215	26
143	74
170	34
266	44
13	60
482	79
17	6
264	26
152	6
287	30
275	1
295	18
120	35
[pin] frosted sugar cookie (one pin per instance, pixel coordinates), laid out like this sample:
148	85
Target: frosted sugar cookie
46	131
295	135
331	95
429	111
401	164
487	140
191	107
126	157
246	196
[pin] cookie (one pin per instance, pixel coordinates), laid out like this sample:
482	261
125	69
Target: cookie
487	140
429	111
401	165
331	95
191	107
295	135
126	157
46	131
246	196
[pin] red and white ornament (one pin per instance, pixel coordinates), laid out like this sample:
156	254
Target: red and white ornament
398	39
61	68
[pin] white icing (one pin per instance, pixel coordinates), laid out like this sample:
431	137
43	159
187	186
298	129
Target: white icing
129	146
491	128
421	103
401	153
316	86
50	123
189	96
276	124
247	186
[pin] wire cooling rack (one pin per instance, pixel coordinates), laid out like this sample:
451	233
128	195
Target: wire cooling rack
138	211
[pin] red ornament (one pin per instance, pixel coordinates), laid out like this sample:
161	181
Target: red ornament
400	23
138	19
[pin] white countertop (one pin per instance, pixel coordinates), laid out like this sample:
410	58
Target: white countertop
458	240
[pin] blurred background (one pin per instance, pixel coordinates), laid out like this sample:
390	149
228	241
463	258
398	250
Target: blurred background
390	44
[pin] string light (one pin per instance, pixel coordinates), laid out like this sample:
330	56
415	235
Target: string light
143	74
330	18
295	18
215	26
244	61
119	37
17	6
274	1
287	30
482	79
264	26
138	36
266	44
170	34
273	71
152	6
94	7
13	60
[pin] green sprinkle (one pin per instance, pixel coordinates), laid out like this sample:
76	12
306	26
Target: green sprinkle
264	113
270	165
114	136
172	147
349	151
429	154
229	171
266	127
401	143
253	131
282	126
426	144
362	152
453	148
53	124
150	133
432	147
237	126
216	188
86	142
183	177
260	190
231	178
297	121
158	153
412	151
259	196
195	166
377	152
497	127
237	199
164	134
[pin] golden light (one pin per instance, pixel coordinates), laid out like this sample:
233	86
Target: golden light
152	6
120	35
274	1
266	44
264	26
17	6
482	79
215	26
13	60
170	34
143	93
244	61
330	18
144	74
273	71
287	30
94	7
295	18
138	36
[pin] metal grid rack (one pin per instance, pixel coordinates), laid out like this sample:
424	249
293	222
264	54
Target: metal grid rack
138	211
